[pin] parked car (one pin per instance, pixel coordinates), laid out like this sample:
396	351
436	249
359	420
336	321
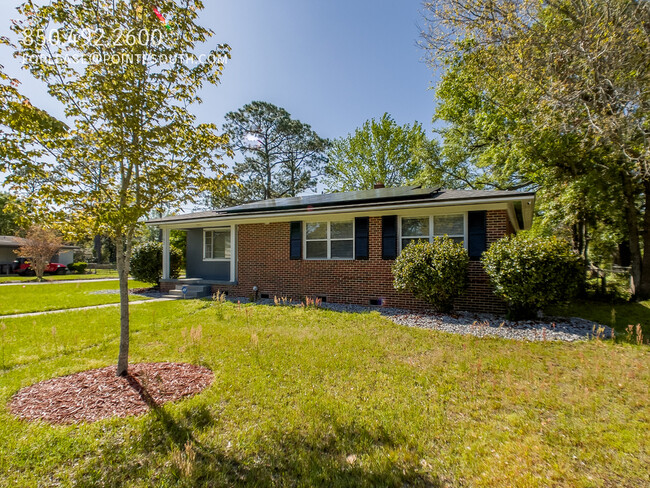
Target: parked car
23	267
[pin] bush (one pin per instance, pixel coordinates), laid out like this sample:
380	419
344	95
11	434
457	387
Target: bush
530	273
435	272
79	268
146	262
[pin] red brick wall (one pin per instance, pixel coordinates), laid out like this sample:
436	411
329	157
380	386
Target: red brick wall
264	262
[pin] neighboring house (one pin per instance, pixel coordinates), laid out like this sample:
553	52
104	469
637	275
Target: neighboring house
340	247
8	244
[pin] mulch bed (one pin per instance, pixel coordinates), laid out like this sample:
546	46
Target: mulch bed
99	394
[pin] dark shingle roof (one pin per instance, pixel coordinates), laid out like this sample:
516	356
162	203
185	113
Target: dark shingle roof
330	199
381	196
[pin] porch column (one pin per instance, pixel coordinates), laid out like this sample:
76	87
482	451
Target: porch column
165	263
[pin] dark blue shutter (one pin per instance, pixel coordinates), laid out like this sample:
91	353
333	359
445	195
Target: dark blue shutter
389	237
477	233
296	240
361	233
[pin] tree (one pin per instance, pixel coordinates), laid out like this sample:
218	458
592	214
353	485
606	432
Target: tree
282	156
380	152
9	215
580	70
490	141
130	143
41	244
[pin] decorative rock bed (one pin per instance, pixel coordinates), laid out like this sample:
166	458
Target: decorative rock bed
483	325
99	394
487	325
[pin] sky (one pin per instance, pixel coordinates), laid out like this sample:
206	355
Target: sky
332	64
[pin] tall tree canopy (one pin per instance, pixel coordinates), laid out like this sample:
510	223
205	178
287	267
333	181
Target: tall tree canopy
281	156
10	216
130	143
381	151
562	90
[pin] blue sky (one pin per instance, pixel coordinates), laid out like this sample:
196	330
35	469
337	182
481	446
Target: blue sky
332	64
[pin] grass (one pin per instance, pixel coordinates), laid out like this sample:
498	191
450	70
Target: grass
617	315
56	296
306	397
91	275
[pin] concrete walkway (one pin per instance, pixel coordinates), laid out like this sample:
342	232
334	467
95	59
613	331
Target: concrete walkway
58	282
91	307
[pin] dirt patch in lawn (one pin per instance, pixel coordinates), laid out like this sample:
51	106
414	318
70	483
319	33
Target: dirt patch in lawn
99	394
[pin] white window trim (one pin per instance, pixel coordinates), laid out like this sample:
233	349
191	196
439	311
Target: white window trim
328	240
431	229
230	228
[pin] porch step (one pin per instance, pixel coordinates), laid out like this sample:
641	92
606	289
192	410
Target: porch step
193	291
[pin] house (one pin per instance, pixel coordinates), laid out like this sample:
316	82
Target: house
340	247
8	244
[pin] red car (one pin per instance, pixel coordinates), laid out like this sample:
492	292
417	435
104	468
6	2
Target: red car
24	268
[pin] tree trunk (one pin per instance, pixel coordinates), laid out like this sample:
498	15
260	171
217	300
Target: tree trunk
123	272
644	286
632	223
98	249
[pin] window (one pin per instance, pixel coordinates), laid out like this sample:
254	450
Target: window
216	245
414	229
449	225
329	240
426	228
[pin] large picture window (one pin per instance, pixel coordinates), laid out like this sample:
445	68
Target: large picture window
426	228
217	245
329	240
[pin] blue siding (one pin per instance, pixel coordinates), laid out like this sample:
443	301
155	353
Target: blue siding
196	267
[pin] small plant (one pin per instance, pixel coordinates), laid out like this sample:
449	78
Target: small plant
281	301
532	273
196	333
634	334
79	268
185	461
435	272
146	262
218	297
313	302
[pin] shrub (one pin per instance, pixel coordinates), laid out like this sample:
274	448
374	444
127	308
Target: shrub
435	272
530	273
79	268
146	262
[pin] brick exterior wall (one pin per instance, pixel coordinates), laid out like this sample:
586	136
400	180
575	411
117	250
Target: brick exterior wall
264	262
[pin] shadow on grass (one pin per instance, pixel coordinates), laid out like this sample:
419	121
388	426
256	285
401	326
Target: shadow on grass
168	451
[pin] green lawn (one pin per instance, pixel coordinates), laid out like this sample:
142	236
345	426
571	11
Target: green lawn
319	398
56	296
91	275
616	315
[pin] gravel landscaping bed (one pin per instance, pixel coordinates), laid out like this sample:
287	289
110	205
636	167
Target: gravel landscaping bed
484	325
568	329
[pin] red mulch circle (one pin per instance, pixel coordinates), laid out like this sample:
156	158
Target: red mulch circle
99	394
